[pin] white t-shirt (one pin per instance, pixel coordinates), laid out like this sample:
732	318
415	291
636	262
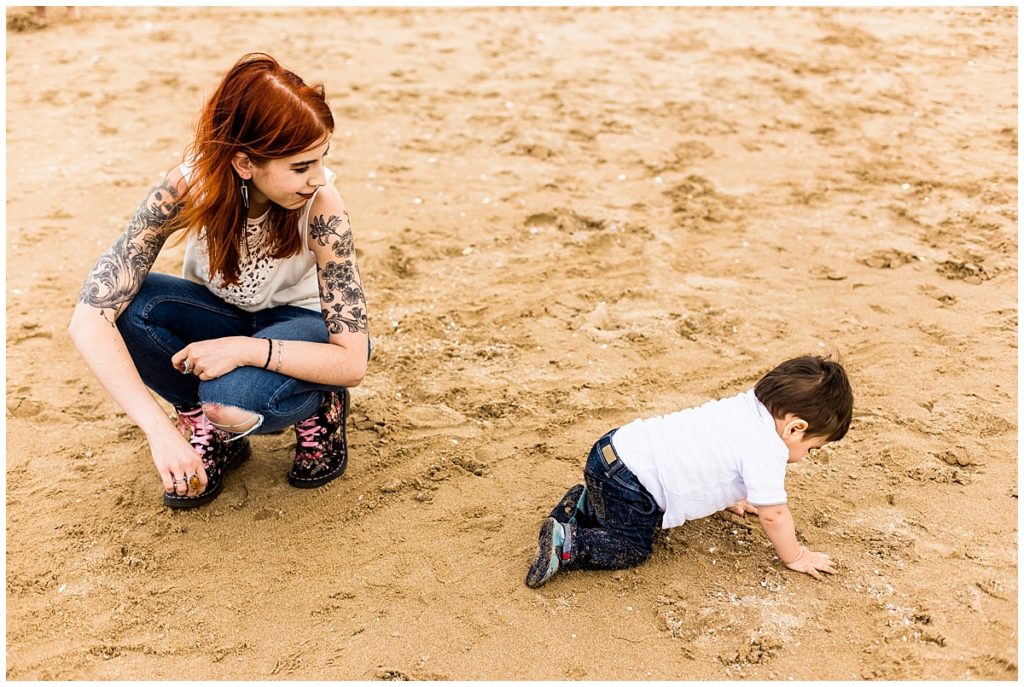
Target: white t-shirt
265	282
698	461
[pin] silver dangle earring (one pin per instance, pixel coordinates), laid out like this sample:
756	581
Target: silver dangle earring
244	190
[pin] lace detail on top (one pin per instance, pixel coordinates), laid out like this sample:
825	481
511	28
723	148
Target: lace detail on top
255	266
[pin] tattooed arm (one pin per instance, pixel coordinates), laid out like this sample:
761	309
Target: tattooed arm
342	302
342	360
117	275
110	286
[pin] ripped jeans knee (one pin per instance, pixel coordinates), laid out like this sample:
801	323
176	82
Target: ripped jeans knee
236	421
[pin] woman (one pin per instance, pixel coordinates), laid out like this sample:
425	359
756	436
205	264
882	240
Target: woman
268	328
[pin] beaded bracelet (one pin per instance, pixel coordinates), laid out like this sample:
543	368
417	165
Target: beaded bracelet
270	351
280	353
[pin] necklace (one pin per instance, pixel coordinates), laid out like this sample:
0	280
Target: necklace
253	225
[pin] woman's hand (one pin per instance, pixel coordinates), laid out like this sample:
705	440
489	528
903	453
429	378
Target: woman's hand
213	358
177	462
811	562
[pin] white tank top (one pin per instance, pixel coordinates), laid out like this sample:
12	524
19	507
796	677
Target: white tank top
265	282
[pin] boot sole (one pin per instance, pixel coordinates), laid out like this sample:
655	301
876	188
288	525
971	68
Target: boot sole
539	571
322	479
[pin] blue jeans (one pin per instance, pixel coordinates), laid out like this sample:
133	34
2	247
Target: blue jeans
616	527
168	313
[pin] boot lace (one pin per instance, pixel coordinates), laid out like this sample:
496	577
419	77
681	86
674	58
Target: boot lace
309	430
200	432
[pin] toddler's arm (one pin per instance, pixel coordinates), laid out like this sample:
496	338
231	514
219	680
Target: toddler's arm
778	525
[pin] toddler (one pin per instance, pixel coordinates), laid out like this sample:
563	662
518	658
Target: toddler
726	454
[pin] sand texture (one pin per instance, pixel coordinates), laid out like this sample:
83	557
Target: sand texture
566	219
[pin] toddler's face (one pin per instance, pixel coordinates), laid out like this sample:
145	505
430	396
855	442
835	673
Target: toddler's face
799	448
791	428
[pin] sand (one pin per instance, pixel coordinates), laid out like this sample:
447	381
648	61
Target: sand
566	219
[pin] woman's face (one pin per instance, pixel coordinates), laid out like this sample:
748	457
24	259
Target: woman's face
288	181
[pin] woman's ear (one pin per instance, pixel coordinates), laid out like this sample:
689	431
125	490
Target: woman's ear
242	165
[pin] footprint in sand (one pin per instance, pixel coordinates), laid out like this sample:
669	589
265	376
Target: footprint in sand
888	259
433	417
23	407
696	203
563	219
600	323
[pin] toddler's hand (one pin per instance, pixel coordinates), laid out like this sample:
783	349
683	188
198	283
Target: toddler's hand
742	507
812	562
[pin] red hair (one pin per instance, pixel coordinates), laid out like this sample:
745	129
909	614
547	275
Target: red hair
267	112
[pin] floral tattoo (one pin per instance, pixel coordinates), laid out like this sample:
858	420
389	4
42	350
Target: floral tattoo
118	274
336	229
341	293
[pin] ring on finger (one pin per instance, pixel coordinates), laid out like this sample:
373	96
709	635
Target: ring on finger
193	482
186	368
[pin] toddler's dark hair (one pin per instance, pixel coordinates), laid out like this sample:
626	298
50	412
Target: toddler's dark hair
813	388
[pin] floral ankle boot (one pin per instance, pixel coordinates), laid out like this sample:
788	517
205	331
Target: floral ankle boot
321	451
218	451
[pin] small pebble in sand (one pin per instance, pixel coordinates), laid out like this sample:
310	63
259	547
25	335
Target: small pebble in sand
905	186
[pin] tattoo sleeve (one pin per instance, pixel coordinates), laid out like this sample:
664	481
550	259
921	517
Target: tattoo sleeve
341	294
118	274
